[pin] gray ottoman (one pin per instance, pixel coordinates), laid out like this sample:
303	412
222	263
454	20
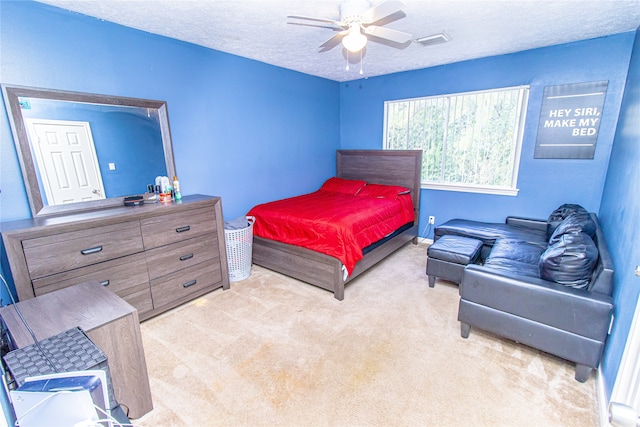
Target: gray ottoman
447	257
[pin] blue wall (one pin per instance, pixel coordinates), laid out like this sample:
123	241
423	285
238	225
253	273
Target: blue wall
544	184
620	217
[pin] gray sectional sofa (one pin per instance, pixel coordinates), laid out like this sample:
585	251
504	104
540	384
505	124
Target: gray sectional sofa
543	283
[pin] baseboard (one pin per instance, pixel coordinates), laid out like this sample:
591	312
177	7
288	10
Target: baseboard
425	240
601	399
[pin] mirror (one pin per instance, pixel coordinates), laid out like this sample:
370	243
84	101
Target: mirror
113	147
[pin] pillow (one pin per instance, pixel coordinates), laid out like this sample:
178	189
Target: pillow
344	186
558	215
576	222
570	260
383	191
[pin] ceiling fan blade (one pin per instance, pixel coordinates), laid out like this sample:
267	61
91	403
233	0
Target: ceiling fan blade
308	18
388	34
331	27
383	10
332	42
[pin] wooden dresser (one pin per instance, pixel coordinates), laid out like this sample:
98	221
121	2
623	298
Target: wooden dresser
154	256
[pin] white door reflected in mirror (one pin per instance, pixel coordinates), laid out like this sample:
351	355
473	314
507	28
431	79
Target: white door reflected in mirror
67	160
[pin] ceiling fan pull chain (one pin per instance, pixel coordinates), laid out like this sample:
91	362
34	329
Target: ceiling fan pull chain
347	61
361	61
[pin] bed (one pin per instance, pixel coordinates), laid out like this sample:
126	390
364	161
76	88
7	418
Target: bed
387	167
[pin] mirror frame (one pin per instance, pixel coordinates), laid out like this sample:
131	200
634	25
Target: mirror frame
27	162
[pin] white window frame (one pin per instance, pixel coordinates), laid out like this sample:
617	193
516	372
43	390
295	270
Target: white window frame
510	190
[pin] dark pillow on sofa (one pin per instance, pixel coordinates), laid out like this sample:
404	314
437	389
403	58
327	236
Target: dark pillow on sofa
570	260
559	215
576	222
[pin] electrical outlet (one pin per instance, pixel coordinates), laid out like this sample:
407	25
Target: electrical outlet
432	220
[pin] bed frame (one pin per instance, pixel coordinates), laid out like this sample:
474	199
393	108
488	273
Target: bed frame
390	167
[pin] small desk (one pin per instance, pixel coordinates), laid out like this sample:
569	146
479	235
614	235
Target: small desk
110	322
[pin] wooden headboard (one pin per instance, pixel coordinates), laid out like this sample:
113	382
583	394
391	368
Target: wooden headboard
389	167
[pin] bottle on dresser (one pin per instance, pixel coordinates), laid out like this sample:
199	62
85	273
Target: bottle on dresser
176	188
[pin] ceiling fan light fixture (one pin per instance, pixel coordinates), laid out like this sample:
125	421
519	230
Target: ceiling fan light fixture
355	41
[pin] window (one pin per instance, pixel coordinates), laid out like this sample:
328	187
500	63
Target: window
470	141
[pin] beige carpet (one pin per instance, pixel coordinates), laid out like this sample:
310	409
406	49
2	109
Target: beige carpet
272	351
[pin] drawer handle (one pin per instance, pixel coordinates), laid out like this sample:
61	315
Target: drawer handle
105	283
91	250
191	283
183	229
186	257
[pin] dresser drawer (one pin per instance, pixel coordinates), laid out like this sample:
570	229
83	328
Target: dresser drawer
176	227
174	257
180	285
122	276
61	252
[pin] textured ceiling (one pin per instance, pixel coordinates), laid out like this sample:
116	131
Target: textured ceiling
258	29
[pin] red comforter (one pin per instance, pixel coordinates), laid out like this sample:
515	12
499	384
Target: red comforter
335	224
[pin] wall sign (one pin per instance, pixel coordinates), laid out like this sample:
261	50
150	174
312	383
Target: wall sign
569	120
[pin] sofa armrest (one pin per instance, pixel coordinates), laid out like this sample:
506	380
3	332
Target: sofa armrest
536	224
577	311
602	281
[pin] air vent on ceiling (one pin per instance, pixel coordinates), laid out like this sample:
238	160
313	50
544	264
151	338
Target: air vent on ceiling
433	39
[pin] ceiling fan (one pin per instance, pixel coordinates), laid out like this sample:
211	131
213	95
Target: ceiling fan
357	21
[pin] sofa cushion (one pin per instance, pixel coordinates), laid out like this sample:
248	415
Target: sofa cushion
570	260
519	250
513	266
516	256
560	214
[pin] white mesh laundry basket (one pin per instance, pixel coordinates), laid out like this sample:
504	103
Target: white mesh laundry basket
239	243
